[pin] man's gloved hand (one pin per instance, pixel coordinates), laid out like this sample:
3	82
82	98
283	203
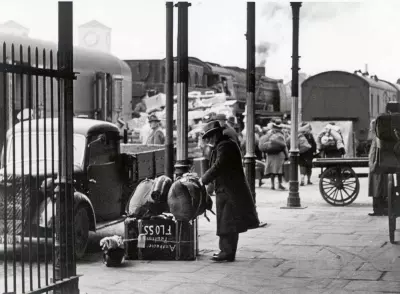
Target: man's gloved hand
342	151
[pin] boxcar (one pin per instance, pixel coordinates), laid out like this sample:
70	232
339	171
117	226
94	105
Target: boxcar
102	90
344	96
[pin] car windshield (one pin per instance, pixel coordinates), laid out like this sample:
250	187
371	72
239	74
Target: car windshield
41	146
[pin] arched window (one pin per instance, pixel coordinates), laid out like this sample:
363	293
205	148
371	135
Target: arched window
204	80
196	79
189	80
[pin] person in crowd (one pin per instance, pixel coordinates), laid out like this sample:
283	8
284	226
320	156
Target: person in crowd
140	107
230	132
236	212
275	161
122	126
306	158
232	122
378	184
156	136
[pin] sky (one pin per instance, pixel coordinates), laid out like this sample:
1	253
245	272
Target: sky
333	35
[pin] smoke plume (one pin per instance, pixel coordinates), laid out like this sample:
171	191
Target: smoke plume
263	50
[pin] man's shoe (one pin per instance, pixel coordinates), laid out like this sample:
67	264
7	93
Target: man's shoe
216	254
222	256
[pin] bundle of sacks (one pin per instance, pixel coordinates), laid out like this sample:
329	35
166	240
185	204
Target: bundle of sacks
185	198
188	198
330	139
273	142
303	143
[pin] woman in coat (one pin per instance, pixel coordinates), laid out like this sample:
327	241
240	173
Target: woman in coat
236	212
274	165
378	184
306	158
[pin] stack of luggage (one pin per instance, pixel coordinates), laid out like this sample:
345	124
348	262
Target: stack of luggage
330	141
162	215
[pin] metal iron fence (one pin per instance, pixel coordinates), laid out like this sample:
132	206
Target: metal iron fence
36	194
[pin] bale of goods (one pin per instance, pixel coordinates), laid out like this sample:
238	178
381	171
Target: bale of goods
150	197
272	143
187	198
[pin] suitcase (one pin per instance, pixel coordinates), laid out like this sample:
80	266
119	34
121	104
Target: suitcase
163	237
286	171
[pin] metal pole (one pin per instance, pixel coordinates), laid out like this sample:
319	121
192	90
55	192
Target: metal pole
293	200
182	165
65	254
250	158
169	91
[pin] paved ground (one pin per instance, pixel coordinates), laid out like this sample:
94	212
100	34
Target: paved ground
320	249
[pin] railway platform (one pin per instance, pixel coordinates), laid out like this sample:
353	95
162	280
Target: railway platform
320	249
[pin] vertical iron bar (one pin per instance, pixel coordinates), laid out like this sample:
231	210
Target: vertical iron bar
294	197
250	158
21	61
13	156
182	165
37	165
30	98
5	120
53	227
45	168
65	47
169	91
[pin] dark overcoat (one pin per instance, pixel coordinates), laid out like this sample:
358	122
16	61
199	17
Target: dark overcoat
236	212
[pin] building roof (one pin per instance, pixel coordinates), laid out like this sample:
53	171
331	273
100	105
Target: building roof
13	24
82	126
94	24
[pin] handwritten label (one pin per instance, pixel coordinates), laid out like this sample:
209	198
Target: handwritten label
158	230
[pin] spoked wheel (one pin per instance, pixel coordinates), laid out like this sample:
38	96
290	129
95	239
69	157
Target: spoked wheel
391	206
339	186
81	231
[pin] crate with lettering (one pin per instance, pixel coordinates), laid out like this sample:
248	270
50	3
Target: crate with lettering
160	238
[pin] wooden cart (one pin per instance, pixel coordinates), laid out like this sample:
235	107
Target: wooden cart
339	184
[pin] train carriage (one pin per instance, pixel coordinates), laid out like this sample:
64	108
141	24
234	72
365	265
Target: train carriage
102	90
350	100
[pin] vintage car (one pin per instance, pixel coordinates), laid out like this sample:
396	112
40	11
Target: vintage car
105	174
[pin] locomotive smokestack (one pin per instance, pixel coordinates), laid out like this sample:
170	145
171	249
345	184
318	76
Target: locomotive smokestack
260	70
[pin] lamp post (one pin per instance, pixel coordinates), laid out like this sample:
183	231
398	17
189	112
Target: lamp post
250	158
169	91
182	165
293	200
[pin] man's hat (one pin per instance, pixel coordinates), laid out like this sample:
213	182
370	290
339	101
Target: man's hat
210	128
220	116
153	117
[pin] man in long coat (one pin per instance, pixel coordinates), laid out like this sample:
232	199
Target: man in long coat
236	212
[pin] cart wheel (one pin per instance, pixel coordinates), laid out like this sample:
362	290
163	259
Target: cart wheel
391	215
339	186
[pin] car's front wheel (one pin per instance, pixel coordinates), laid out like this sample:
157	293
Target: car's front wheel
81	231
